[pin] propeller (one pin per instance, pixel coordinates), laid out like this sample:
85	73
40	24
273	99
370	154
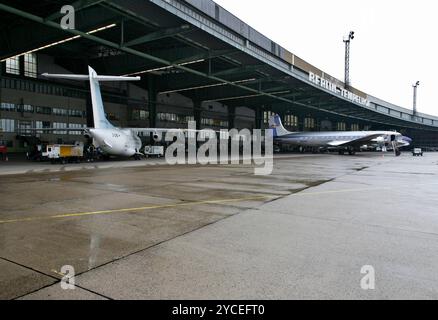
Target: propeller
396	149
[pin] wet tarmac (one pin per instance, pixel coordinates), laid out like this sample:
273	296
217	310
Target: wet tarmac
151	231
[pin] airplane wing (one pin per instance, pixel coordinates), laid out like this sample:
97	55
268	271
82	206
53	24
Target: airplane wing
160	133
52	129
356	142
163	131
157	130
338	143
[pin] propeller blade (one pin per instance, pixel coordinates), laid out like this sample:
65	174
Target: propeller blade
397	152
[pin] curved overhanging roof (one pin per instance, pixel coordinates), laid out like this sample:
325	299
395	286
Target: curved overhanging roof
193	53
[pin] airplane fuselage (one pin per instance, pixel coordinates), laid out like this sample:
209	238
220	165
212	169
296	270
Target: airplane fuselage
116	142
324	139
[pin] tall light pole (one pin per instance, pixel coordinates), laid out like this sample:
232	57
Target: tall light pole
347	41
415	86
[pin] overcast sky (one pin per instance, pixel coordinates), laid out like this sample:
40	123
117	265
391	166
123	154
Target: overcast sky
395	44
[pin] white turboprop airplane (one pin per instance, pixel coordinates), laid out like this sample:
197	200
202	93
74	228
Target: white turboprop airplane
112	141
344	141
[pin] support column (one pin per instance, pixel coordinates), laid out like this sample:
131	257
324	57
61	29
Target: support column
152	101
89	110
258	117
231	117
197	113
2	66
301	123
318	124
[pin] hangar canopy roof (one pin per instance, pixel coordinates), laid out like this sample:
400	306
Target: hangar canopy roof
192	47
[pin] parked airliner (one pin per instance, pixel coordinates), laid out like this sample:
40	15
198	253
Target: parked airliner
343	141
110	140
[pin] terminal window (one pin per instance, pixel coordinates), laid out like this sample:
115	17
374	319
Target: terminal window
267	115
341	126
39	125
42	125
59	125
26	108
140	114
43	110
13	65
171	117
291	120
7	106
75	113
7	125
309	123
24	127
214	122
60	112
76	126
30	65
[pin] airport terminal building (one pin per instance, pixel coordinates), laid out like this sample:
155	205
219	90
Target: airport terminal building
196	60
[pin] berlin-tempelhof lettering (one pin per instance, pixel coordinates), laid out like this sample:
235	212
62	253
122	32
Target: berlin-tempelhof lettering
338	90
213	151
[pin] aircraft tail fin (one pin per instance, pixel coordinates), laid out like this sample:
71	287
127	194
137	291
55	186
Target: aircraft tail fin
100	120
276	124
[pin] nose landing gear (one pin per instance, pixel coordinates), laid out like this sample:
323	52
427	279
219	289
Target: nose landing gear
137	155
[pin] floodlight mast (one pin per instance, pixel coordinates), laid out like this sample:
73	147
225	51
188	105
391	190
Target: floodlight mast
415	86
347	41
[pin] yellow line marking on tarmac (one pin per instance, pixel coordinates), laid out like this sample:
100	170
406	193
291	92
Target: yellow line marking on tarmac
82	214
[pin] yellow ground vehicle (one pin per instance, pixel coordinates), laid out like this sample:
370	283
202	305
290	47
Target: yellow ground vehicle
64	153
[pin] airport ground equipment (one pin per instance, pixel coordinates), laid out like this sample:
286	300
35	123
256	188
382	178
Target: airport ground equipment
418	152
154	151
64	153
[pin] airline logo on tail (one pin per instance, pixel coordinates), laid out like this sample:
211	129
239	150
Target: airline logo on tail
277	126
